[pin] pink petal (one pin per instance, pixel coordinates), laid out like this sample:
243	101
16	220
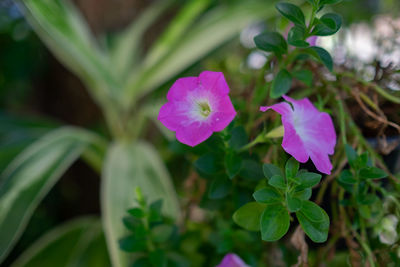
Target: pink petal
303	105
170	117
181	87
292	142
321	160
193	134
232	260
282	108
215	82
224	114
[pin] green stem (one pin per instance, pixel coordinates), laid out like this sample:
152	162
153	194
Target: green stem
259	139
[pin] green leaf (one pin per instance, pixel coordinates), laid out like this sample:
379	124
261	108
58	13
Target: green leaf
291	168
128	45
136	212
275	222
351	155
347	177
316	231
212	30
238	138
372	173
271	42
127	166
79	242
161	233
248	216
364	211
328	24
219	188
60	25
308	179
294	204
322	55
270	170
251	170
267	195
278	182
306	76
329	2
303	194
292	13
32	174
158	258
312	211
233	164
281	84
296	37
207	164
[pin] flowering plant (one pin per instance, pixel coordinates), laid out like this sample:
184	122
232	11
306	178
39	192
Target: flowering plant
228	165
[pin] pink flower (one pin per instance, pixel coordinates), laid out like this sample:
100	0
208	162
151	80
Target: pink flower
232	260
307	132
197	107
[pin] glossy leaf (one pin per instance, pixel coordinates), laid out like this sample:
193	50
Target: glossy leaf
322	55
306	76
79	242
219	188
327	25
277	181
316	231
347	177
372	173
281	83
248	216
271	170
308	179
233	164
271	42
291	168
293	203
275	222
127	166
291	12
32	174
296	37
312	211
267	195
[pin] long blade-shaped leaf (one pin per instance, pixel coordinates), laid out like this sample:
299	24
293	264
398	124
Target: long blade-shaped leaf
31	175
77	243
128	44
67	35
215	28
131	165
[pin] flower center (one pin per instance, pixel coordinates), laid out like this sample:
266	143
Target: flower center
204	108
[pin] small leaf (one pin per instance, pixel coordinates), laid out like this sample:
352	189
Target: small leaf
316	231
136	212
372	173
296	37
207	164
248	216
291	168
161	233
327	25
267	195
303	194
271	42
322	55
219	188
277	181
132	244
275	222
347	177
308	179
364	211
312	211
238	138
329	2
294	204
351	155
292	13
281	84
251	170
305	76
271	170
158	258
233	164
